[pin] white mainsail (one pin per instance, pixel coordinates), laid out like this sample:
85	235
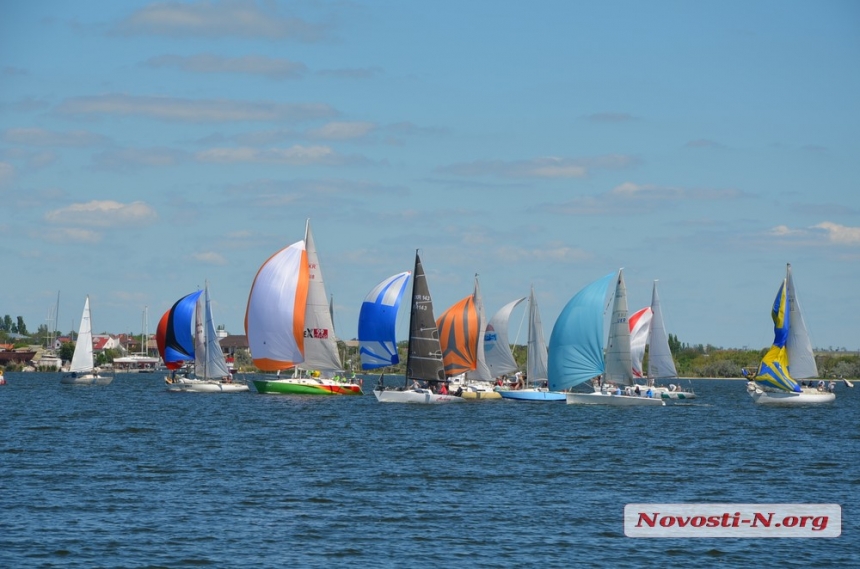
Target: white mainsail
660	362
801	359
209	362
482	371
82	359
536	365
619	365
320	342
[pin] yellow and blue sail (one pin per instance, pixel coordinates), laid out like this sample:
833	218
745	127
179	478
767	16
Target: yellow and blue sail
773	370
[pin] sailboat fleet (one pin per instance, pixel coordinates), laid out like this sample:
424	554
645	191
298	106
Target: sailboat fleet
459	356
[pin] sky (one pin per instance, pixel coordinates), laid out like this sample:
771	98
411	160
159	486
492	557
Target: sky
147	147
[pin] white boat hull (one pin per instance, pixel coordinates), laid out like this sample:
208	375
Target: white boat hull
808	396
613	400
665	393
206	386
420	396
86	379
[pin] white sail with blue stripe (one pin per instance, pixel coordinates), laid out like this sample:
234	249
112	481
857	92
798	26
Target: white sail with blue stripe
376	322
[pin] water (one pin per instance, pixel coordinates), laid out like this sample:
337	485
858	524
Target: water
129	475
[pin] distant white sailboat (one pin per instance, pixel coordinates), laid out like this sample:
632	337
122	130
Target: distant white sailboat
82	370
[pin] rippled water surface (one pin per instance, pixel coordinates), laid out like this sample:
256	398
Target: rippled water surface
129	475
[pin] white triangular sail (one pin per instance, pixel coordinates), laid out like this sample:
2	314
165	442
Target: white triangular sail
82	359
320	342
482	371
801	358
619	365
497	349
209	362
660	362
536	365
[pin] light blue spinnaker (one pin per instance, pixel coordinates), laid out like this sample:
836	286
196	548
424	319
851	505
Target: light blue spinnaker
376	322
576	344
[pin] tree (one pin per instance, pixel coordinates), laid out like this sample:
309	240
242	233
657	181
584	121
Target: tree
67	350
22	328
7	323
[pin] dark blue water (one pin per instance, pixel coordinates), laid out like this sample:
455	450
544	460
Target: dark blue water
129	475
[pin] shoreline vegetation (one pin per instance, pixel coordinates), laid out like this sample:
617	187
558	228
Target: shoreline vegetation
699	361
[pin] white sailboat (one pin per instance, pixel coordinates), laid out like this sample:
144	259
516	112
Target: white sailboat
534	386
424	366
211	374
497	348
661	365
576	353
790	358
82	370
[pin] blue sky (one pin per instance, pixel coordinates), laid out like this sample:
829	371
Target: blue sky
148	146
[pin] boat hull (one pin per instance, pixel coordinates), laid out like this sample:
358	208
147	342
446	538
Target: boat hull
613	400
206	386
86	379
789	398
417	396
532	395
480	394
306	387
676	395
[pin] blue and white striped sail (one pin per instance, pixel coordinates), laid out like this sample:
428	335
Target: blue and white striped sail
576	344
376	322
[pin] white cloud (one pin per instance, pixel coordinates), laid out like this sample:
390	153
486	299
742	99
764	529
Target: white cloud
629	197
191	110
106	213
42	137
840	234
630	190
274	68
342	130
242	18
73	234
296	155
552	253
784	231
210	258
542	168
137	157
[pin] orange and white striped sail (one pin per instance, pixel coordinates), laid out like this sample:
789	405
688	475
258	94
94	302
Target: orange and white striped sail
275	317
